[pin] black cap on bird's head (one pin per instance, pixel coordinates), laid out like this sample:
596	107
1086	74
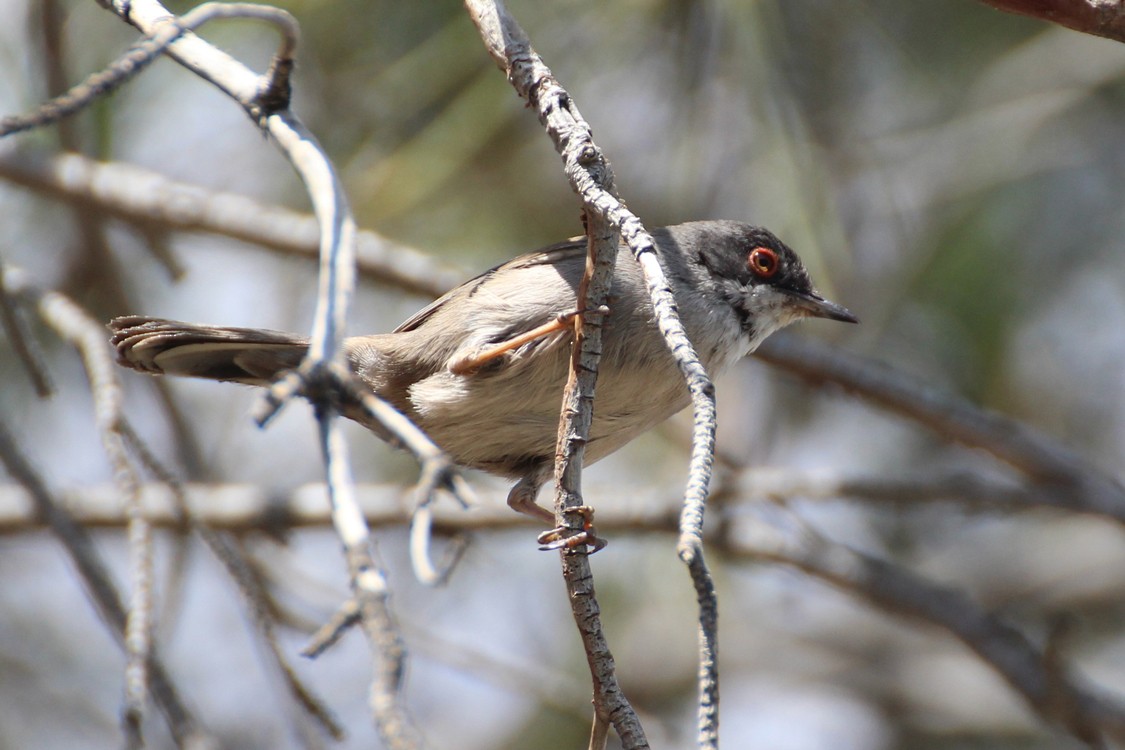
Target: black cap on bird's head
760	276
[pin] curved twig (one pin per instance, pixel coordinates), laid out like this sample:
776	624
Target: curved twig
266	100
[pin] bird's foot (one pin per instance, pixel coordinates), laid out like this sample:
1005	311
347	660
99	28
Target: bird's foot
567	538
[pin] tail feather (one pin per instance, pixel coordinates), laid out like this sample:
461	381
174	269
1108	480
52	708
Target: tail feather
168	347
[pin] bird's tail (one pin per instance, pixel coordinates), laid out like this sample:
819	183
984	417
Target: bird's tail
241	355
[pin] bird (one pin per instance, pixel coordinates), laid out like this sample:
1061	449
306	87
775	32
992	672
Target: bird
481	370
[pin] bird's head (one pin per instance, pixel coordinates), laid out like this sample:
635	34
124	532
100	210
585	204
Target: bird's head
760	277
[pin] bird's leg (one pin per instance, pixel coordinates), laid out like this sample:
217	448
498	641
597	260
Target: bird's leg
522	499
468	363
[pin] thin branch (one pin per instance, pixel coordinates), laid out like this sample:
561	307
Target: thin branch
769	532
1066	477
371	593
244	508
231	556
1057	697
360	404
229	552
24	345
585	167
155	203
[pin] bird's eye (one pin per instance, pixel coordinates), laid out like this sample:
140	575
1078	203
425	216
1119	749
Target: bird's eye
763	261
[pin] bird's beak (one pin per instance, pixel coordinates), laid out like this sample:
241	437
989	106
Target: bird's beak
813	305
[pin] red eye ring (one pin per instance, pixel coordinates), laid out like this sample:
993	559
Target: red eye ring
763	261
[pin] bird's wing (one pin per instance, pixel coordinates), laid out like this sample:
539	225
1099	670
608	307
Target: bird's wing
547	256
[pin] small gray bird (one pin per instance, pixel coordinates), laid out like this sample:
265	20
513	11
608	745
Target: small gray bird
481	370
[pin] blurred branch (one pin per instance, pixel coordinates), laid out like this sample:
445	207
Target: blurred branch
246	508
24	345
769	532
87	335
1067	479
1098	17
253	592
229	552
76	539
154	202
1058	697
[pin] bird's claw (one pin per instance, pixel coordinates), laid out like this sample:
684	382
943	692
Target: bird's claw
568	538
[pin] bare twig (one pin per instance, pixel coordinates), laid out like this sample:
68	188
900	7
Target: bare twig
24	344
768	533
231	555
243	508
421	540
363	406
239	569
330	632
372	595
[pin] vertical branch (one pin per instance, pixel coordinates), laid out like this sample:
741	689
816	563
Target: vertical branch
87	335
510	48
370	591
533	80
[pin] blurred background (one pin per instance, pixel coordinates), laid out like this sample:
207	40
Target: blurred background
952	174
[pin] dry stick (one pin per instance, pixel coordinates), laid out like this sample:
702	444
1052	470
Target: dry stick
372	595
266	100
76	539
88	336
154	202
584	165
776	537
510	48
145	197
1065	477
320	378
438	471
611	707
1059	698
